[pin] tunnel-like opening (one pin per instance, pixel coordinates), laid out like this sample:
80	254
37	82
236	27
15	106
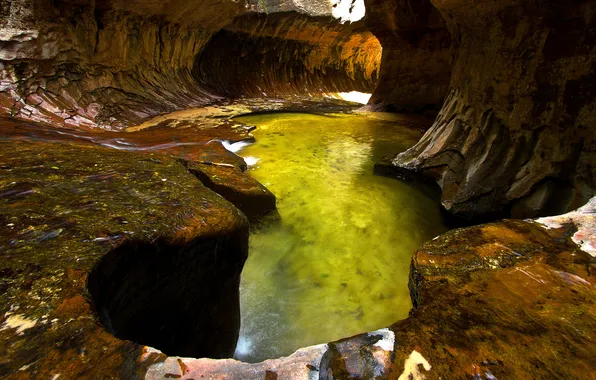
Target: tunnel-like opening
288	54
179	298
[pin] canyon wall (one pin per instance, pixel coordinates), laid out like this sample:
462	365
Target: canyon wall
416	63
113	64
287	53
516	134
103	63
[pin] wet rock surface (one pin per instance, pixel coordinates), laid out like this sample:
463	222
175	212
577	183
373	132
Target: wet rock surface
93	253
507	299
94	240
510	299
243	191
130	212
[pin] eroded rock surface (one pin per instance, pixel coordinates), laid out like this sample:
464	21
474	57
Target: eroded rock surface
416	63
243	191
510	299
286	54
516	134
114	64
109	63
85	227
141	229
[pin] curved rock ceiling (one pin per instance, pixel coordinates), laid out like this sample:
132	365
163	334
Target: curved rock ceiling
284	54
113	64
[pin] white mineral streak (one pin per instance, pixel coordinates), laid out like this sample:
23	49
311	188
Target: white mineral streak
17	322
584	218
412	369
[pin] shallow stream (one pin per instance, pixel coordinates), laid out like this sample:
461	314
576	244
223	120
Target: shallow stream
338	262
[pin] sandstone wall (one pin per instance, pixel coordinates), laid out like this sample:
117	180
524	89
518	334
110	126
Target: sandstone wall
516	132
416	63
112	64
104	63
283	54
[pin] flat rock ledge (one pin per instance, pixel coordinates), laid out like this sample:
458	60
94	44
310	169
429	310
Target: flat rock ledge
97	244
102	246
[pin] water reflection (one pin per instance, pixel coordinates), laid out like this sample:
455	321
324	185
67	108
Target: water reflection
338	263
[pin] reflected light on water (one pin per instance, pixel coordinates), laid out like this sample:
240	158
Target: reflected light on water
348	10
338	262
353	96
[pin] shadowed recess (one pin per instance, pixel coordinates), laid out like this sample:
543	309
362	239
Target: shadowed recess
180	299
287	54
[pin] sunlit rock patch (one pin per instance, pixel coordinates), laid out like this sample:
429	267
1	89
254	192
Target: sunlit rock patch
584	220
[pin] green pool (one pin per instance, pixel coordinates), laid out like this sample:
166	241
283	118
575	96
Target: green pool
337	264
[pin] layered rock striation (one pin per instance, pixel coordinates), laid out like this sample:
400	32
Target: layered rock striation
516	134
102	247
285	54
114	64
416	63
108	63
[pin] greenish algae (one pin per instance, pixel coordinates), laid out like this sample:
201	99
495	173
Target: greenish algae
338	263
63	208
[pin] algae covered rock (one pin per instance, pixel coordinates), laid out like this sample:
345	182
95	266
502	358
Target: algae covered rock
132	240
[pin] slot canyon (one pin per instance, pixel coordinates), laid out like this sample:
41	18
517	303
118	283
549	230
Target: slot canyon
297	189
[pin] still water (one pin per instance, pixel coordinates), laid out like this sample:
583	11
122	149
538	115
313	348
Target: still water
338	262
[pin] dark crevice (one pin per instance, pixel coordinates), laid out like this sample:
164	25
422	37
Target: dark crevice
179	298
